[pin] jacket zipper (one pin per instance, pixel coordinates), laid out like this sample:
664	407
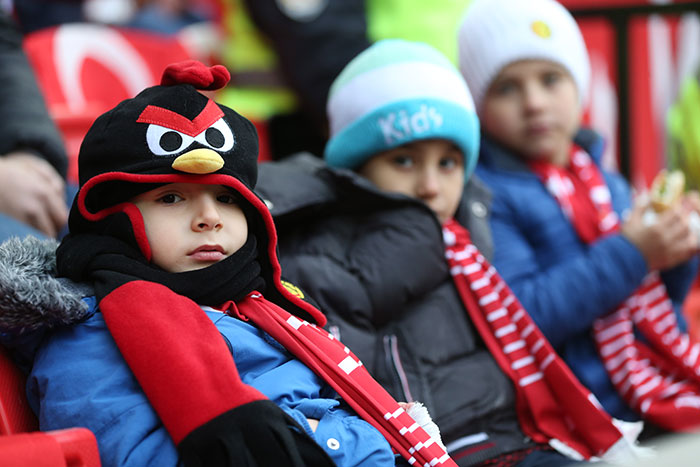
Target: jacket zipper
391	349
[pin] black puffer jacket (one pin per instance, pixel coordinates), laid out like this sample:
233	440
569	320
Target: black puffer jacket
375	264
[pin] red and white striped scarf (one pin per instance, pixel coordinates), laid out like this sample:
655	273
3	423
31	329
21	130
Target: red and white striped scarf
659	379
340	368
553	407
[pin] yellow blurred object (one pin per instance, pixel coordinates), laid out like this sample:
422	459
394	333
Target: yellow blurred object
666	189
684	132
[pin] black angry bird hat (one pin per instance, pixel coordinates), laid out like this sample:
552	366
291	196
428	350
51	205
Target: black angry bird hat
172	133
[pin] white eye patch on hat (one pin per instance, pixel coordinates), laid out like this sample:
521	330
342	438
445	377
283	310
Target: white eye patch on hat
164	141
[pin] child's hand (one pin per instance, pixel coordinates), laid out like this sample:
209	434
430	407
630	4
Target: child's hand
665	239
691	201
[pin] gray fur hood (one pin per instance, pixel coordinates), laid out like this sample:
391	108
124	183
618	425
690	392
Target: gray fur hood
31	296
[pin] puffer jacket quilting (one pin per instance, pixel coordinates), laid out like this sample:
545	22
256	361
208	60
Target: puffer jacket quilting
375	264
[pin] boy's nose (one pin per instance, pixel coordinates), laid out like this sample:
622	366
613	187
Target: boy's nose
533	97
207	216
428	185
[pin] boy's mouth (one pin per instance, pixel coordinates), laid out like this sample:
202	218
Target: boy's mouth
537	129
208	253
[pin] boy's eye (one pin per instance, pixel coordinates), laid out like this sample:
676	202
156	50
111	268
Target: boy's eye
226	198
449	163
504	88
402	161
170	198
551	78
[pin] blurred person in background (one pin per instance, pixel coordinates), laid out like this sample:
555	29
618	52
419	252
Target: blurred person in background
33	161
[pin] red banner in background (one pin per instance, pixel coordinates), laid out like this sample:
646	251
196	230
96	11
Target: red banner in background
601	112
608	4
660	49
86	69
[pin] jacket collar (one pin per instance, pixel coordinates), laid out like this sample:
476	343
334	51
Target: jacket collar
496	156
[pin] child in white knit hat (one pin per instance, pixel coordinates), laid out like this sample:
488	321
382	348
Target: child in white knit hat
383	238
582	261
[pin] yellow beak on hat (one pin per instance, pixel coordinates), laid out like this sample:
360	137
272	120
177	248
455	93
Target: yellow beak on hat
198	161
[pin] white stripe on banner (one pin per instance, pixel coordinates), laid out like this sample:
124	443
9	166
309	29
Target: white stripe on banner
467	441
348	365
528	330
505	330
530	379
619	359
614	330
513	346
494	315
667	323
616	345
488	298
692	357
648	386
682	346
545	363
538	345
673	389
516	365
653	313
620	374
294	322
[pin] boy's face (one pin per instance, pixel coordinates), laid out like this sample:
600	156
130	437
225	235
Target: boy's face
191	226
430	170
532	107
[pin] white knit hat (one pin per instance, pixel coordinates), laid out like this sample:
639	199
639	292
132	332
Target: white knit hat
495	33
396	92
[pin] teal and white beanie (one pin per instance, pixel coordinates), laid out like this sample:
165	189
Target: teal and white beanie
496	33
397	92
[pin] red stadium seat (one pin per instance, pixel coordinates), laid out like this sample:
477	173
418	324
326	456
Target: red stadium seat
21	445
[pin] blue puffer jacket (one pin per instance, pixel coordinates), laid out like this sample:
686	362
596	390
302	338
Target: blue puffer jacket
563	283
79	378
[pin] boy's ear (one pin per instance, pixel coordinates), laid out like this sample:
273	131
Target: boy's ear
297	292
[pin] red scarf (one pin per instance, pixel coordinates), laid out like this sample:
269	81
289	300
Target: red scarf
659	380
341	369
553	407
146	318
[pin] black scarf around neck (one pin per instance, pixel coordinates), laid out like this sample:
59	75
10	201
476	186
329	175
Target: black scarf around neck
108	262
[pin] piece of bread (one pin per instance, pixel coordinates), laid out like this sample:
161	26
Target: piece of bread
666	189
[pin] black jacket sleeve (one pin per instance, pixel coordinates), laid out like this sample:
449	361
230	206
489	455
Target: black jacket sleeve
24	119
